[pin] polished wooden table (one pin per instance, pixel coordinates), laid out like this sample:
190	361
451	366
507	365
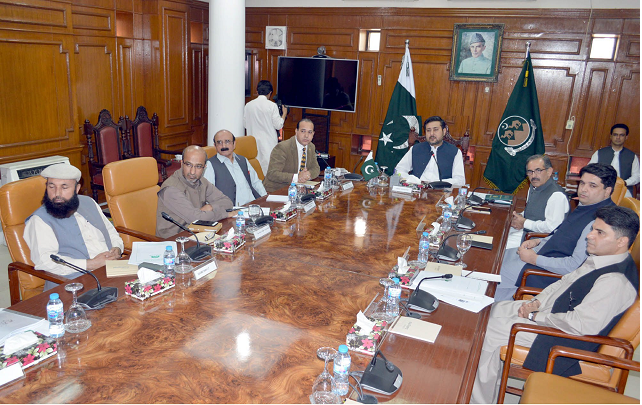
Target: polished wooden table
248	333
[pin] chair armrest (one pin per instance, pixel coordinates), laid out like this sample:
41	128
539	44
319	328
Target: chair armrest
593	357
14	283
139	235
168	152
526	290
536	272
530	235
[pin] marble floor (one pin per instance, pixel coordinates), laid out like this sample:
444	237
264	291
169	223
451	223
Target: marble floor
632	386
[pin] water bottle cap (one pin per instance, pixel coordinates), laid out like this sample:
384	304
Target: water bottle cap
54	296
425	234
168	248
343	349
240	214
293	184
396	280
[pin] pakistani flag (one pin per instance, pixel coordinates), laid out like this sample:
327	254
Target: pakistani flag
401	116
368	168
519	135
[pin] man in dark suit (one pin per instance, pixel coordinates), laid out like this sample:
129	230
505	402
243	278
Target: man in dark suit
294	160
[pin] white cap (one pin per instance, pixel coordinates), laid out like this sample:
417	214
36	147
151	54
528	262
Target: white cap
61	171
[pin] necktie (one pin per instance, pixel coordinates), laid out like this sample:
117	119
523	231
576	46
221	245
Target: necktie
302	166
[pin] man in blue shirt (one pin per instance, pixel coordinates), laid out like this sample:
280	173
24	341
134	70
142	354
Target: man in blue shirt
231	173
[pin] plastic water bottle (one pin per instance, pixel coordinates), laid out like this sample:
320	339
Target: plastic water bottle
446	224
341	368
327	178
169	260
394	295
460	200
240	223
424	248
56	316
556	177
292	193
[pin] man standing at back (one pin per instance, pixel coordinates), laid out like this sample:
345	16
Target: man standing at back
546	204
261	119
623	160
69	225
294	160
231	173
187	197
434	160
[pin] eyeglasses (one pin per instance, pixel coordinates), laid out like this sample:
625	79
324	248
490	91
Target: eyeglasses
531	172
190	165
225	142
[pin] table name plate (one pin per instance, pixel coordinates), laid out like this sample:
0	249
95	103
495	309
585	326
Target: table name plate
347	186
262	231
309	206
402	189
204	269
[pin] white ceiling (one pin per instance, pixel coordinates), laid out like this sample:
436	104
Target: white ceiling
579	4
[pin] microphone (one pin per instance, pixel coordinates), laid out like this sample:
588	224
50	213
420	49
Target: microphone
476	200
382	377
463	223
96	298
197	252
449	254
423	300
361	398
408	313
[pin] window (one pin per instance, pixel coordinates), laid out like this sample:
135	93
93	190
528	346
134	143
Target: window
604	46
369	40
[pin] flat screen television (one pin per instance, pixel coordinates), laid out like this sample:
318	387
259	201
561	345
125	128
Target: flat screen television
318	83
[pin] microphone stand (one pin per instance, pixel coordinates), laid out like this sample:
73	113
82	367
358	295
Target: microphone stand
463	223
476	200
197	252
450	253
92	299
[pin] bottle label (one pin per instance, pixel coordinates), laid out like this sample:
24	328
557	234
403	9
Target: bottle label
168	261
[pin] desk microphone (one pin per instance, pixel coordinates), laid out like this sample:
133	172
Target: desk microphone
477	200
96	298
197	252
381	376
347	176
463	223
423	300
361	397
449	254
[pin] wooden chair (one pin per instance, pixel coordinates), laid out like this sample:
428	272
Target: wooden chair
619	191
18	200
133	199
246	147
463	143
547	388
106	138
144	133
620	342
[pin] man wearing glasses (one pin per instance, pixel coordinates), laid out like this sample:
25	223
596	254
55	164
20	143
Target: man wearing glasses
546	204
187	197
623	160
294	160
231	173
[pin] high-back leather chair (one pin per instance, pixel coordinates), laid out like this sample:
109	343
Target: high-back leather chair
246	146
619	191
210	150
131	188
18	200
106	139
144	134
632	203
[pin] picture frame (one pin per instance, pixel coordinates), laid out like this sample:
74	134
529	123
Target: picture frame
479	60
276	37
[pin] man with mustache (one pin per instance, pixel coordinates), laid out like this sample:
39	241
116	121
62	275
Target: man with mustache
187	197
588	301
565	249
69	225
434	160
231	173
546	204
293	160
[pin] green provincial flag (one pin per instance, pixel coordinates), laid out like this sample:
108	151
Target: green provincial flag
519	136
401	116
368	168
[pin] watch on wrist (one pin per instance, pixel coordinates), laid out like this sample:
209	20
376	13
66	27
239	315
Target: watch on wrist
531	316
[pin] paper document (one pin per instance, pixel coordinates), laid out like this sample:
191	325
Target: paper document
277	198
310	183
416	329
13	322
412	179
443	268
150	252
482	276
468	303
118	268
464	292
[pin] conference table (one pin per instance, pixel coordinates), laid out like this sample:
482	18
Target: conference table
249	332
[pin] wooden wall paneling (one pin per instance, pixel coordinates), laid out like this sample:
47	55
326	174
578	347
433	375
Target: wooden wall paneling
339	147
366	93
197	76
94	21
129	75
206	72
175	52
36	15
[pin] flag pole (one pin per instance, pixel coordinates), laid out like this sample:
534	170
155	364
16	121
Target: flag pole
528	49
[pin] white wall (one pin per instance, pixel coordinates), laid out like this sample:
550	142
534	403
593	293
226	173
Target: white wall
449	3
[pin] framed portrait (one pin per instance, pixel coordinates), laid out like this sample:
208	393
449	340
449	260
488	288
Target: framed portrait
476	52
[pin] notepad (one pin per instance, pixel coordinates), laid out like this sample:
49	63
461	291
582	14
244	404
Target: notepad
416	329
277	198
118	268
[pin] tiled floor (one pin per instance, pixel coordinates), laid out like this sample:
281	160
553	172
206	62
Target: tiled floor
632	386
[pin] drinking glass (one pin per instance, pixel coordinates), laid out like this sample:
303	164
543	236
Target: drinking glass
300	192
183	263
255	212
323	389
464	242
383	177
75	318
380	311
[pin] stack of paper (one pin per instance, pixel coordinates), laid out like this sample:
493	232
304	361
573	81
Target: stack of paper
463	292
416	328
12	322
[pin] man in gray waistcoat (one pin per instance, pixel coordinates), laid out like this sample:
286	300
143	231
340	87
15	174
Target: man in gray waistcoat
69	225
624	161
546	204
231	173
